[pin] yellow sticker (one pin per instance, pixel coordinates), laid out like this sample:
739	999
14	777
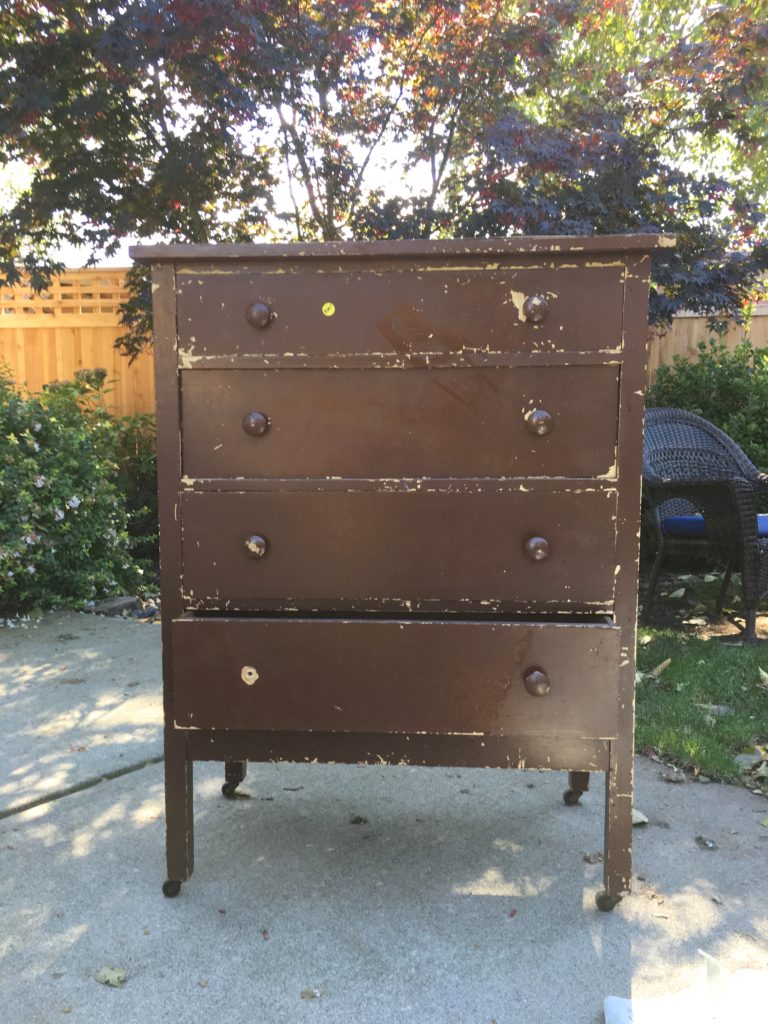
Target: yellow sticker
328	309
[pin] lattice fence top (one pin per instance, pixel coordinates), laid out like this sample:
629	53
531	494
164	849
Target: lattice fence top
77	298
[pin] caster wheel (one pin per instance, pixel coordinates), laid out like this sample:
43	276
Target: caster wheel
605	902
571	797
171	889
229	789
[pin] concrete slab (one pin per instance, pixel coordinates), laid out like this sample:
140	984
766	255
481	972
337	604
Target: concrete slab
80	696
465	896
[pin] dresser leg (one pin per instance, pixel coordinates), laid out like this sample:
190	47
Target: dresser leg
617	861
179	826
578	783
234	773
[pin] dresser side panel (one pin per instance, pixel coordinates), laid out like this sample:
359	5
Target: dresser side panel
168	457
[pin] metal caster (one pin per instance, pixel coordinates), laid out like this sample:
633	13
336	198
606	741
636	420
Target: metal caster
171	888
605	902
571	797
234	773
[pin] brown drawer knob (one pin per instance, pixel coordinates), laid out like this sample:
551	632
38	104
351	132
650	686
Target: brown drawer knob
536	682
539	422
255	424
537	549
535	308
258	314
256	546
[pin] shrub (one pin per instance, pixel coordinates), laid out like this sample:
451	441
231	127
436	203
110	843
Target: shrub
137	480
729	388
63	525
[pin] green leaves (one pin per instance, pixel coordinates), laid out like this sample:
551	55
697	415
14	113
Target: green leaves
213	120
63	522
729	388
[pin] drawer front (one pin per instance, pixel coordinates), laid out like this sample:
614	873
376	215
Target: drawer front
395	676
414	311
388	548
401	423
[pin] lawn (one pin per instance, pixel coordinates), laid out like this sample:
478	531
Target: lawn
701	698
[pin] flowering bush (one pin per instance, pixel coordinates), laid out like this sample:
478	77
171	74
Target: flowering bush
63	525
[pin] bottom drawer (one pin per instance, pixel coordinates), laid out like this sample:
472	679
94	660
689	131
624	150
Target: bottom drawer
384	675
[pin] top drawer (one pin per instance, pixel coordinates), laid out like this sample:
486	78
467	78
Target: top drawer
414	312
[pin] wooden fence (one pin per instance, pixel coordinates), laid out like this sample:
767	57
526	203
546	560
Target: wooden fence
688	330
74	324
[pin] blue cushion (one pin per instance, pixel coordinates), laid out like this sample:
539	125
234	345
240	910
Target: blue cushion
694	526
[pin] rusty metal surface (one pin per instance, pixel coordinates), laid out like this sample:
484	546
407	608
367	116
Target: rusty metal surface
386	549
389	676
436	423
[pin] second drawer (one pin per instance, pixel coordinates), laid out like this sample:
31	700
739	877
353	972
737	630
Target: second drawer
488	546
401	423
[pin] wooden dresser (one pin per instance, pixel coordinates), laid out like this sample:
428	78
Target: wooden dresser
399	508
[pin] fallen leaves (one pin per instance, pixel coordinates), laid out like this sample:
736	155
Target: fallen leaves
706	844
114	977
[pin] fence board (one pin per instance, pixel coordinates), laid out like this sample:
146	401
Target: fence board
73	326
687	331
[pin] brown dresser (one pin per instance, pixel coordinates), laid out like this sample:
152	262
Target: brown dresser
399	507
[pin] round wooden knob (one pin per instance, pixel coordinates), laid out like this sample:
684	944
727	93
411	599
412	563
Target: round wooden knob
537	549
536	682
256	546
539	422
535	308
255	424
258	314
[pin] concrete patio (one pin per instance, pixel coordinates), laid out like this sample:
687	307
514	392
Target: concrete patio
464	896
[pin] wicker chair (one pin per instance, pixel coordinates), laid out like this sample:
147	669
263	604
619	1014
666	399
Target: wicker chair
703	492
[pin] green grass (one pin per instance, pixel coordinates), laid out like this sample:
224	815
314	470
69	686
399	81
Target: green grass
670	719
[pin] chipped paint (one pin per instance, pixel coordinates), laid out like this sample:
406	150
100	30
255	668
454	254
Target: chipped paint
557	610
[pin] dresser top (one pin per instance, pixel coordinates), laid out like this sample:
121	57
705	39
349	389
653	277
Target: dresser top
409	248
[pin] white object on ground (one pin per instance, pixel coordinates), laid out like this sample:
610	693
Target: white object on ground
720	997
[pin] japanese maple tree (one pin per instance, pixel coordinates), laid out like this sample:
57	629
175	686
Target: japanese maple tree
234	120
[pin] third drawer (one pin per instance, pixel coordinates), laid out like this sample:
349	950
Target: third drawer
488	546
